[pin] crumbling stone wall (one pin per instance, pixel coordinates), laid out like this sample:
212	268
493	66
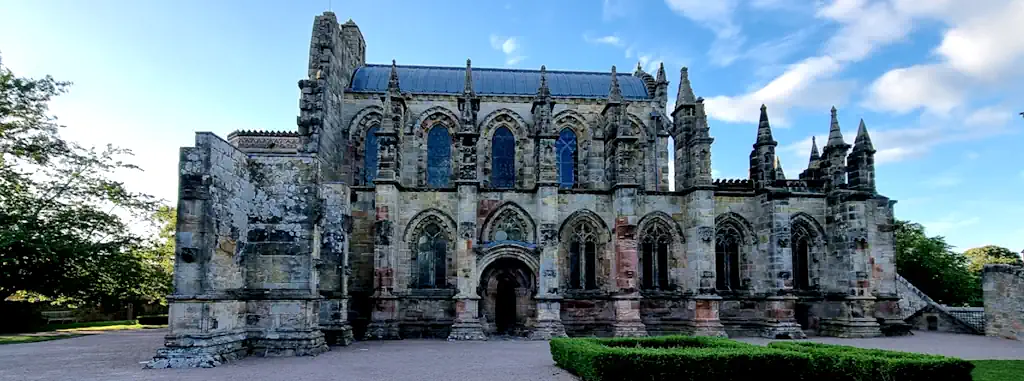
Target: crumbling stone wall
1003	288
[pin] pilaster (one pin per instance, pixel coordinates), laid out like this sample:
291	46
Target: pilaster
846	227
699	281
779	308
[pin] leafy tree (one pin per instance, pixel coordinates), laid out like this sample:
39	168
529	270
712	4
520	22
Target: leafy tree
978	257
932	266
60	230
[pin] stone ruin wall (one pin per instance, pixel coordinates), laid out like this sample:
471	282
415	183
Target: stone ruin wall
1003	288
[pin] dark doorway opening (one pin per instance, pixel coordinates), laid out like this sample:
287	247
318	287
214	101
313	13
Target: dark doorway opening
803	315
933	323
505	304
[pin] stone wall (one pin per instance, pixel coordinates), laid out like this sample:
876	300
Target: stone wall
1003	287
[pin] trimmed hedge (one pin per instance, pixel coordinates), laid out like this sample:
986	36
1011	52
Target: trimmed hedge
844	363
711	358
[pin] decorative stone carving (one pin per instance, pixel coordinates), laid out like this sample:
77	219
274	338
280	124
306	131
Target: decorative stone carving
384	231
548	235
706	233
467	229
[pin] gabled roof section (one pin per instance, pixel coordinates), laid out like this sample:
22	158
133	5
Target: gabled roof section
488	81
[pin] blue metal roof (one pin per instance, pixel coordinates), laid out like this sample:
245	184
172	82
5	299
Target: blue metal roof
486	81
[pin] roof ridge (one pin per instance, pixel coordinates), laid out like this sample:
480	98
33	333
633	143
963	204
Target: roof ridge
605	73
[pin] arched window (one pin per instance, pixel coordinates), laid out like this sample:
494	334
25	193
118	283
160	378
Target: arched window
439	157
727	258
654	250
503	162
565	148
583	257
801	257
370	158
430	257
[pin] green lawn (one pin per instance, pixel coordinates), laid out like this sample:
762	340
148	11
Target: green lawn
998	370
65	331
19	339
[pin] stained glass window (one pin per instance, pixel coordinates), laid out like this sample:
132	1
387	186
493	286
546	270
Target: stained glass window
370	156
565	148
439	157
430	258
503	165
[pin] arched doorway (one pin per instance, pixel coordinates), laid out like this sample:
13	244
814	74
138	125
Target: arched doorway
507	287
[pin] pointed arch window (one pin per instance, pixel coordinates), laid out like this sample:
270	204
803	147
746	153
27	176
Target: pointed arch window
370	158
583	257
654	247
565	148
801	260
439	157
431	249
503	164
727	258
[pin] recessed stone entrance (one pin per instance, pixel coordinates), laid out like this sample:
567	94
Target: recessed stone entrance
507	287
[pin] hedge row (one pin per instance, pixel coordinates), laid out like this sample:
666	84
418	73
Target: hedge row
708	358
153	319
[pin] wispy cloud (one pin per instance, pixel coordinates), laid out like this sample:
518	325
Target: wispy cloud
945	180
949	223
508	46
718	16
606	40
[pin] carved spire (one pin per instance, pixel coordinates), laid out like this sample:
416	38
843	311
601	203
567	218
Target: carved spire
469	78
685	93
764	129
543	90
393	79
814	150
863	140
615	93
779	174
835	136
639	69
661	74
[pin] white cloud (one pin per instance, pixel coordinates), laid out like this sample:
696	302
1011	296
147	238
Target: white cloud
607	40
971	155
981	46
989	116
510	47
945	180
718	17
907	89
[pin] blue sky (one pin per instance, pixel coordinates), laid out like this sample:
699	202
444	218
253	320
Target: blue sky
937	82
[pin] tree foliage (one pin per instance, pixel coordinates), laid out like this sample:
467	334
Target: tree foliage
978	257
61	230
930	264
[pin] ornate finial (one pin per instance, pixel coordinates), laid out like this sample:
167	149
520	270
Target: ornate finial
835	136
779	173
815	156
764	129
863	141
685	93
661	73
393	78
615	93
469	77
543	92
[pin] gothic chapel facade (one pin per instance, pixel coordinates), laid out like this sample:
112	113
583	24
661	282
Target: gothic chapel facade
462	203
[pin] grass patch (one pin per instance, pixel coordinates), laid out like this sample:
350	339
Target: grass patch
20	339
998	370
708	358
91	324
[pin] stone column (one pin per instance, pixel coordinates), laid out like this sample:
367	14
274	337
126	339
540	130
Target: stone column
700	253
779	307
846	227
549	321
627	300
334	229
467	303
384	318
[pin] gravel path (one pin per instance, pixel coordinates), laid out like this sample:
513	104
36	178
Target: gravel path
116	355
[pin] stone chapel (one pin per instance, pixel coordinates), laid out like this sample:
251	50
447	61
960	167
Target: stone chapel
462	203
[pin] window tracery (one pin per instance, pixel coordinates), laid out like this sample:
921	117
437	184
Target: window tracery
583	256
654	247
431	250
565	148
439	166
728	240
370	158
503	167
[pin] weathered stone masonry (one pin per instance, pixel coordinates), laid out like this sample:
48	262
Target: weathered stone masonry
1004	301
462	203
